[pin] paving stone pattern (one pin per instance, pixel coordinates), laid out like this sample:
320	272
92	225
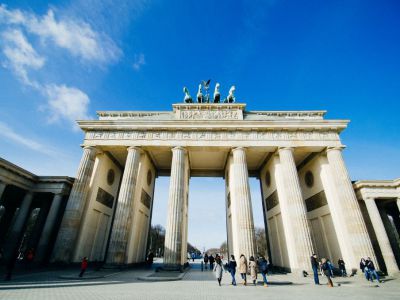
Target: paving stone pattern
194	285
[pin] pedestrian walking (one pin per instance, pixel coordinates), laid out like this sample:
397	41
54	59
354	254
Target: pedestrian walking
243	268
218	269
263	267
372	270
211	260
253	270
205	260
342	267
315	266
327	271
193	256
232	268
84	266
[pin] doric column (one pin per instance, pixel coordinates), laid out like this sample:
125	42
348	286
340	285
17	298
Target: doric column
240	194
71	222
12	243
381	235
175	231
2	188
352	227
41	252
296	227
123	216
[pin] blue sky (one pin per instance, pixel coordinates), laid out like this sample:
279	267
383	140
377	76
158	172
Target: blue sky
63	60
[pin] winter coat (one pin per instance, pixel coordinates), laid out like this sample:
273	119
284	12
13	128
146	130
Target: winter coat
218	269
243	265
253	270
263	266
232	266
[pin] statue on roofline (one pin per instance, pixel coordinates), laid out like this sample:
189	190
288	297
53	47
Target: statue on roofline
231	96
199	95
217	95
206	97
188	98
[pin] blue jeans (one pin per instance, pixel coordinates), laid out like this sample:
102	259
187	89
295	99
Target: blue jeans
315	271
243	276
233	272
372	274
367	273
264	275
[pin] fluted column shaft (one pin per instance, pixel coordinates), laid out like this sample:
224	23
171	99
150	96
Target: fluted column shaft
175	231
48	228
347	206
70	225
293	211
124	213
241	196
381	235
12	243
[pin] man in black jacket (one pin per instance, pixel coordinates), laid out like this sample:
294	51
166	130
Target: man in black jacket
315	265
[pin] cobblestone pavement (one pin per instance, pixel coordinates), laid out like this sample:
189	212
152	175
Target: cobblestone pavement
194	285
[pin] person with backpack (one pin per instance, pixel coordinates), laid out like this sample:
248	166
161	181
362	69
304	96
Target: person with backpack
232	268
263	267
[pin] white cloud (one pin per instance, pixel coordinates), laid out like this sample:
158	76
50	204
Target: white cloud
75	36
67	103
10	134
139	61
20	55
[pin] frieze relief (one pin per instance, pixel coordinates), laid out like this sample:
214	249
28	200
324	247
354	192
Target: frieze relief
214	135
210	115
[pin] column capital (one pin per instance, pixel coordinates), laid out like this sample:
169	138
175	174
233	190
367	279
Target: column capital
179	148
285	148
238	148
338	148
131	148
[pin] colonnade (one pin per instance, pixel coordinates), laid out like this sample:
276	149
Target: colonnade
15	217
350	228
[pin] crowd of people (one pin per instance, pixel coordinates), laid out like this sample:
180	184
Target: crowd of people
249	269
245	269
326	268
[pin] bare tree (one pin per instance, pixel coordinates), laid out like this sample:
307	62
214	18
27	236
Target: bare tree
261	241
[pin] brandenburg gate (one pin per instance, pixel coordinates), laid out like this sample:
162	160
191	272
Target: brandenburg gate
309	203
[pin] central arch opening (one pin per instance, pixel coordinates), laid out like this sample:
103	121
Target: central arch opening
207	227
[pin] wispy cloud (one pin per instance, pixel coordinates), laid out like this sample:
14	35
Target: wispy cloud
75	36
66	103
139	61
9	133
20	55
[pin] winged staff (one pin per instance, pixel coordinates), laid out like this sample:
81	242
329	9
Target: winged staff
203	95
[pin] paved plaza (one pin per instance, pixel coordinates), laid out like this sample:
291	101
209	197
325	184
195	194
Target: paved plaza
194	285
